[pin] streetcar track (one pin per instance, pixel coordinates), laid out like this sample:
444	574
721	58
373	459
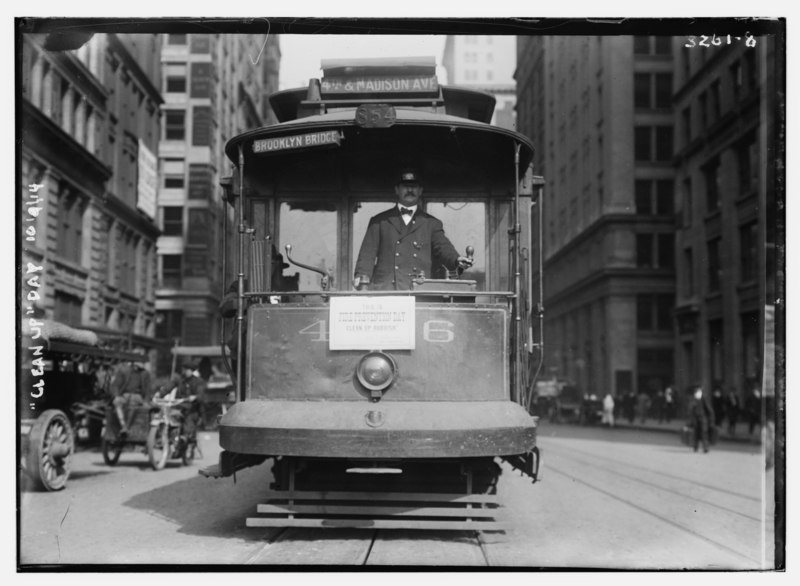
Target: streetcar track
369	549
657	516
659	472
270	542
673	491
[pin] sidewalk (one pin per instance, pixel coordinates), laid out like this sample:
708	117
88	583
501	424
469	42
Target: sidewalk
675	426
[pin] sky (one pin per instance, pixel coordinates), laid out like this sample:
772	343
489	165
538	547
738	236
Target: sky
301	54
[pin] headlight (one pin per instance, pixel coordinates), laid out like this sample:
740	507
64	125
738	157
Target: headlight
376	372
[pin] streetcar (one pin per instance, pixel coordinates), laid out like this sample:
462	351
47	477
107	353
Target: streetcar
393	408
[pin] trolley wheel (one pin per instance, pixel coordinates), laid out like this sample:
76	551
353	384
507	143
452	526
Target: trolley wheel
188	454
111	451
50	452
158	446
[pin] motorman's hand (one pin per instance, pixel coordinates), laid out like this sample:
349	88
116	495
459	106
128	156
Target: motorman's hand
361	283
464	263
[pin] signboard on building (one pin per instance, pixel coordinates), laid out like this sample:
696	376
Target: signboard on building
200	84
147	181
199	181
195	263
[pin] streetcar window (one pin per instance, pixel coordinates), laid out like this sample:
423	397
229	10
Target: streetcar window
311	227
465	225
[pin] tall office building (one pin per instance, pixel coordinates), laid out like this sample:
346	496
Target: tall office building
726	105
486	63
599	112
90	128
215	86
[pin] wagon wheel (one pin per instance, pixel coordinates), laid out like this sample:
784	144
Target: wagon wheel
111	450
158	446
51	447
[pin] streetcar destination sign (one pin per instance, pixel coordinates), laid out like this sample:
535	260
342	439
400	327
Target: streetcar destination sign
297	141
380	85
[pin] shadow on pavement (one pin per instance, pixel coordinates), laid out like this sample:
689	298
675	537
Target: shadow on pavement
210	507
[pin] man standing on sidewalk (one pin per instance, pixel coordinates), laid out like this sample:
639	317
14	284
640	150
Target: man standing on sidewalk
701	416
608	410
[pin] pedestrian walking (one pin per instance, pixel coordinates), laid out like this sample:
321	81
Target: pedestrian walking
642	406
659	406
608	410
629	406
732	410
669	403
701	417
752	407
718	403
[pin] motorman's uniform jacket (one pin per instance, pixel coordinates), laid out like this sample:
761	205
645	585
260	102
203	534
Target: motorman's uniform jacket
392	252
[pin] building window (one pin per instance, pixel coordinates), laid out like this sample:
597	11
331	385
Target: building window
171	266
666	251
751	356
748	252
652	91
652	45
655	251
714	266
711	175
688	272
169	324
737	81
127	261
665	199
174	171
686	117
67	309
663	45
70	229
654	312
176	78
716	104
641	45
644	250
664	146
748	159
641	90
176	39
644	198
175	127
703	105
663	91
686	203
715	351
650	141
173	221
750	71
642	146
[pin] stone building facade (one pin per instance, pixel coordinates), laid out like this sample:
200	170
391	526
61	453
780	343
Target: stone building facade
89	128
215	86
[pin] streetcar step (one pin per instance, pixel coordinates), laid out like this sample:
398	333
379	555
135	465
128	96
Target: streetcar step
378	510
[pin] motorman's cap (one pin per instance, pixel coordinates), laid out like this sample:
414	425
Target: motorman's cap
409	175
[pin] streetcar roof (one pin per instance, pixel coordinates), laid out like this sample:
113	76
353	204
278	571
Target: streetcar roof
405	117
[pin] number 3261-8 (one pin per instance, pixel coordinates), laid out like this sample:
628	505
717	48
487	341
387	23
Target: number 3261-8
715	41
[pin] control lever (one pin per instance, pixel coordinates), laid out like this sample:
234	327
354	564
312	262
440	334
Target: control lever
327	277
470	260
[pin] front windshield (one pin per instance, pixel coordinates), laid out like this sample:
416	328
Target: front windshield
311	228
465	225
